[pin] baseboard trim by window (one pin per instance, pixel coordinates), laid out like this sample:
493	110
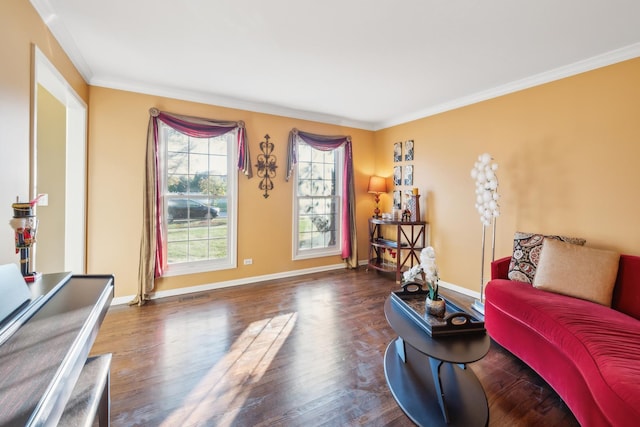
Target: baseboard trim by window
229	283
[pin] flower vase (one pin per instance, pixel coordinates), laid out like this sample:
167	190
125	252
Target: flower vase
435	307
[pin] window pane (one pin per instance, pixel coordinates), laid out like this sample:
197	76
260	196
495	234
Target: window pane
218	146
199	145
198	250
329	171
218	248
198	163
304	153
217	165
318	156
176	142
177	252
177	183
177	163
317	222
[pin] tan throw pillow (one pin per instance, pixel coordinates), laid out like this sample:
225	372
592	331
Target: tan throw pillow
577	271
526	253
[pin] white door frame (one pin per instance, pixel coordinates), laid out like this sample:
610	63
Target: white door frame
46	74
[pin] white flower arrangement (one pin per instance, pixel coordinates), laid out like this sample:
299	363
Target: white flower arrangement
484	172
428	269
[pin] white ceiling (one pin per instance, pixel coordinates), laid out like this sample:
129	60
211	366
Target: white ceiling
364	63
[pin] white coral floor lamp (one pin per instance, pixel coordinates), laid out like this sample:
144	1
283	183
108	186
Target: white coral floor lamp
484	173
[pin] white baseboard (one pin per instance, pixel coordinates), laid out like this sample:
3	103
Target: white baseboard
264	278
459	289
444	284
229	283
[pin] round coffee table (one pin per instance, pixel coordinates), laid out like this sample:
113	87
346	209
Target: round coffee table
428	376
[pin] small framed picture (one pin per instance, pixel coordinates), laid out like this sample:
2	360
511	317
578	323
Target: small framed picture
397	175
408	175
397	199
408	150
397	152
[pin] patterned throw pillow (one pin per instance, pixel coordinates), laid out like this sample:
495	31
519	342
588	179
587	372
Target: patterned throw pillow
526	254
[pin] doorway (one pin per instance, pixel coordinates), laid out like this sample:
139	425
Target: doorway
58	169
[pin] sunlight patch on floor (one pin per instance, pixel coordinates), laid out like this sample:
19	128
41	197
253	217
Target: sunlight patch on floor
227	385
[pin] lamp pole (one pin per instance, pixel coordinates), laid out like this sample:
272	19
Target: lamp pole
478	305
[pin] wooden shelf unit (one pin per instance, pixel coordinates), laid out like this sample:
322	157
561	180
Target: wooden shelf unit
403	238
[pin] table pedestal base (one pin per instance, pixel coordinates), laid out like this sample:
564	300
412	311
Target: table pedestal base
416	392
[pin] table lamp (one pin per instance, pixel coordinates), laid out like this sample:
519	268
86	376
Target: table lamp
377	185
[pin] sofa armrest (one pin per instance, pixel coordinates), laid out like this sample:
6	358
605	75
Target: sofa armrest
500	268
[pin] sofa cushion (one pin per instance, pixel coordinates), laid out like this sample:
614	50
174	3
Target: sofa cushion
577	271
526	253
626	294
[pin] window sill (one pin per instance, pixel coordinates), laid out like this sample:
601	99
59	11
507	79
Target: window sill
196	267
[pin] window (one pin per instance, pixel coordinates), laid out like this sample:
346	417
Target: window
317	204
199	201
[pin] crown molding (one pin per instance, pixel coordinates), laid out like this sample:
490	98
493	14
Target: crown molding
229	102
608	58
61	34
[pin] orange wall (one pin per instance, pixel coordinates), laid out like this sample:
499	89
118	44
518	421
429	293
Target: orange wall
20	27
568	155
118	126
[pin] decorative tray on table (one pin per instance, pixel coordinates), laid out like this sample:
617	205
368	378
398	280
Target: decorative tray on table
411	300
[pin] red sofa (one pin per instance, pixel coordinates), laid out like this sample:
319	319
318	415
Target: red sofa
588	353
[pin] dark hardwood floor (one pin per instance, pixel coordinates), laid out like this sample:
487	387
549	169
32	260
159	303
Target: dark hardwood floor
305	351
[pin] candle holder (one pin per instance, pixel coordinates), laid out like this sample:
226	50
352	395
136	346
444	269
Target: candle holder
413	204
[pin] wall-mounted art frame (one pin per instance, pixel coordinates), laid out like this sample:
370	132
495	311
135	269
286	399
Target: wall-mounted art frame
403	156
266	166
397	152
408	175
408	150
397	175
397	199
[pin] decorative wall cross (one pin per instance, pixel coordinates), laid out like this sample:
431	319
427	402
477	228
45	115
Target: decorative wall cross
266	166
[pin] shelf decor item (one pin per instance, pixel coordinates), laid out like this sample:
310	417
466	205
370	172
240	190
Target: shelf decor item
25	225
434	303
428	270
411	300
484	173
413	204
435	307
377	186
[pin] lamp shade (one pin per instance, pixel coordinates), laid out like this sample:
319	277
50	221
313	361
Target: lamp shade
377	184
